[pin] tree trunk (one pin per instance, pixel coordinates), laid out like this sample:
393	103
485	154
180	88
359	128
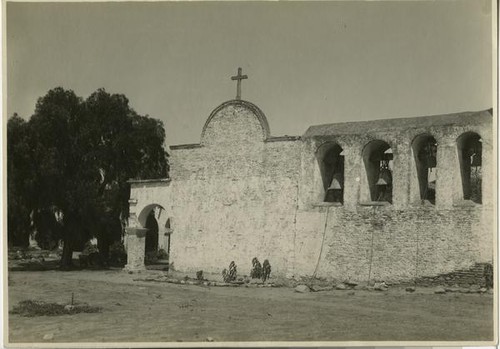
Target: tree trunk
103	246
67	255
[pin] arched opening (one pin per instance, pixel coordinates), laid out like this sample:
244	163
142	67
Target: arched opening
378	159
330	158
425	153
469	147
152	233
157	240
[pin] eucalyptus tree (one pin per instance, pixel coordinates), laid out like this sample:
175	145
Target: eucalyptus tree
81	154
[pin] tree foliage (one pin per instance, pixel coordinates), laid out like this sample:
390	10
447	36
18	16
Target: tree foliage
81	154
19	178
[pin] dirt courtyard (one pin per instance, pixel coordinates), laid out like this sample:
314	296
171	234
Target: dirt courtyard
139	311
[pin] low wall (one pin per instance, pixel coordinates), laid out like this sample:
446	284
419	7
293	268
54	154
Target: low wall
378	243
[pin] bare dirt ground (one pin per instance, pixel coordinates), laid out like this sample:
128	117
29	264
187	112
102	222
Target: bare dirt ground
138	311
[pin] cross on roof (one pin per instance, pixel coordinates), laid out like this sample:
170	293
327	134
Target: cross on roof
239	77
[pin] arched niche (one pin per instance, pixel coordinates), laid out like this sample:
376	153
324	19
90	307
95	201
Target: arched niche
470	150
378	160
330	157
424	149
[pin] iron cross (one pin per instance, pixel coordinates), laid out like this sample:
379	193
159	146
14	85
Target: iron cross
239	77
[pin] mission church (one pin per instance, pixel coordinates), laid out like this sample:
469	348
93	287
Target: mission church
390	200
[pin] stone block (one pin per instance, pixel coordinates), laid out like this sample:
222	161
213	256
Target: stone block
302	289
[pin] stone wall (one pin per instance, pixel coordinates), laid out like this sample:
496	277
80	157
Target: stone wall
235	195
241	193
480	274
376	243
408	239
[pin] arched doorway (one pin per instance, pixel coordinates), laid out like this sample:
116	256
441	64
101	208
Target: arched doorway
151	247
157	238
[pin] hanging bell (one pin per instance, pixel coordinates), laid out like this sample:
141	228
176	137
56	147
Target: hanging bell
431	185
385	177
335	184
388	155
431	175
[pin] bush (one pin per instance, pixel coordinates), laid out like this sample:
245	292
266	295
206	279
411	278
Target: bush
230	275
256	272
151	257
117	254
266	270
93	260
32	308
162	254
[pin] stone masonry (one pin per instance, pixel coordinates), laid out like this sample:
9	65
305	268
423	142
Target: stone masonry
242	193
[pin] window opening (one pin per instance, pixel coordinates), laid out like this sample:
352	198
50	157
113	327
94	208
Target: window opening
331	161
470	152
426	162
378	159
335	191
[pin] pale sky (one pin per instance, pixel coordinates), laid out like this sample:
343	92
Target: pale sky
308	63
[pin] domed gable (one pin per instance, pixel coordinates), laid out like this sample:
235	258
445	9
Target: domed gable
235	121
